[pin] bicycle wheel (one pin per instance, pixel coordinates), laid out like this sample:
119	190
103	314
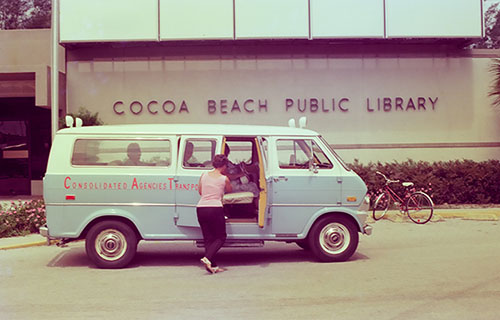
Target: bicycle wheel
381	205
419	207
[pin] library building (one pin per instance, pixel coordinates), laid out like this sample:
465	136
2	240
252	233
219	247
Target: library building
381	80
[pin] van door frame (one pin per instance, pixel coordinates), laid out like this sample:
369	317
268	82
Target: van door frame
289	213
263	181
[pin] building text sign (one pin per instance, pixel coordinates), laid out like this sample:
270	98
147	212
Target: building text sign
262	105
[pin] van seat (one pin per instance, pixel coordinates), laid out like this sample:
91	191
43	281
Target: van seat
238	198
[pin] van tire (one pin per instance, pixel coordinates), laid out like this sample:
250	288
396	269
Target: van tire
304	244
333	239
111	244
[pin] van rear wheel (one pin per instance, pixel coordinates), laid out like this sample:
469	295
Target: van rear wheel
111	244
333	238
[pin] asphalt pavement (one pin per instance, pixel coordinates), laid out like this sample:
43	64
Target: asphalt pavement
440	215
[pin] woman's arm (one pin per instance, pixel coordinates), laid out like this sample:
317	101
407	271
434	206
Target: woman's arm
228	188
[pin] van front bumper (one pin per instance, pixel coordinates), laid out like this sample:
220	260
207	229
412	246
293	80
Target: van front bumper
367	229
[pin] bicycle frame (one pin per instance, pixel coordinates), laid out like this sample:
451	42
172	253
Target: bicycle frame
396	198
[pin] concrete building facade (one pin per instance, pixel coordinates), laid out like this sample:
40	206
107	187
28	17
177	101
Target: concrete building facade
381	80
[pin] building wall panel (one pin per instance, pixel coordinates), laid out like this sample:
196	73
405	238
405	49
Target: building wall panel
260	19
361	100
109	20
194	19
347	19
431	18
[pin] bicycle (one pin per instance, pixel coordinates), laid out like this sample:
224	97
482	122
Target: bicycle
416	204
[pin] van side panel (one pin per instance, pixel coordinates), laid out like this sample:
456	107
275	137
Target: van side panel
77	194
144	199
353	189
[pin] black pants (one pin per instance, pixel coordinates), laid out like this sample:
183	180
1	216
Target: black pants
213	227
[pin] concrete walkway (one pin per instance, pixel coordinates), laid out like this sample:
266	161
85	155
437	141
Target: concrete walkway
478	214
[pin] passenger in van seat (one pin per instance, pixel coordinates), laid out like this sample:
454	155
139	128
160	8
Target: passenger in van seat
210	211
189	159
238	178
134	156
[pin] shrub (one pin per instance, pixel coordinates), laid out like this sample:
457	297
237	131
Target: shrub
451	182
22	218
88	118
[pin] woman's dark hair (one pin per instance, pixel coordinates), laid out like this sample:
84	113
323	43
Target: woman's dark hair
219	161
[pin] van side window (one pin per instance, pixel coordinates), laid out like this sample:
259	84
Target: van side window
297	154
198	153
121	152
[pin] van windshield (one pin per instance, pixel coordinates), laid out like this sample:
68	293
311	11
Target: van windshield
334	153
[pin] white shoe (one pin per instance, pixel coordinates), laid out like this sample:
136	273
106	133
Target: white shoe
208	265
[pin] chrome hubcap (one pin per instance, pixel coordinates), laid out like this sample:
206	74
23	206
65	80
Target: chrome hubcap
334	238
110	244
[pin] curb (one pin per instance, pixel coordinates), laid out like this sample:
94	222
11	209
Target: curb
28	245
445	214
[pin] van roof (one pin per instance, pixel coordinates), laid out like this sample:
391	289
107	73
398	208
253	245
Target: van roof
195	129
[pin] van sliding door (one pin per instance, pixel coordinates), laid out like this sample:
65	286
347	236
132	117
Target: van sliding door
195	157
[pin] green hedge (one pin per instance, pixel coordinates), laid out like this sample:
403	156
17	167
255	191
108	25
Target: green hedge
450	182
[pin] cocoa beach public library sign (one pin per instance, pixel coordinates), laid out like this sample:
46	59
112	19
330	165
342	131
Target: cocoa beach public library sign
302	105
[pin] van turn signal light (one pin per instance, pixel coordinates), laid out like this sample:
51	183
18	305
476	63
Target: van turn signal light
351	199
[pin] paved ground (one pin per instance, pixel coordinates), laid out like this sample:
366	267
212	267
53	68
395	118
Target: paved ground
438	271
477	214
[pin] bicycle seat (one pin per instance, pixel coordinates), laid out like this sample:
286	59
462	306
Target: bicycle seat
407	184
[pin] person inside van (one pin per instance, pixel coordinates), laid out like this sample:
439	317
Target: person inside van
189	159
134	155
237	176
210	211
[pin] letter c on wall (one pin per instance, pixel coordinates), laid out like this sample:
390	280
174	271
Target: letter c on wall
117	103
149	107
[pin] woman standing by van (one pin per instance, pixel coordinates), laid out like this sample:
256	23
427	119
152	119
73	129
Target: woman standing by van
210	212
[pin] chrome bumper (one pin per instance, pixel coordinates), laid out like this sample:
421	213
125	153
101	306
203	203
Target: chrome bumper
367	229
44	231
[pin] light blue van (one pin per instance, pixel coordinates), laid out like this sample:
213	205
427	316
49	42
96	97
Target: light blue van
116	185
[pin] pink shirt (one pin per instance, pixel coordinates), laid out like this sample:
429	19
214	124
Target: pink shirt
212	190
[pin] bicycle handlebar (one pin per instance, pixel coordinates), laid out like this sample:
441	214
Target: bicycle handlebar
387	180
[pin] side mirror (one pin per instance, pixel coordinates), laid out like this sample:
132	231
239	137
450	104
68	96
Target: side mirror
313	167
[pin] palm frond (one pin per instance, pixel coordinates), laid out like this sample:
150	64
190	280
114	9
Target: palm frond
495	88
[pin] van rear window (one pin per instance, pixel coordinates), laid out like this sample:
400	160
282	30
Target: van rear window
121	152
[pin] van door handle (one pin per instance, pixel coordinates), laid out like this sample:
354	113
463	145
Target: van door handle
280	178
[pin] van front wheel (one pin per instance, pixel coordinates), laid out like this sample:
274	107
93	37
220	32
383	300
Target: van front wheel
333	239
111	244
